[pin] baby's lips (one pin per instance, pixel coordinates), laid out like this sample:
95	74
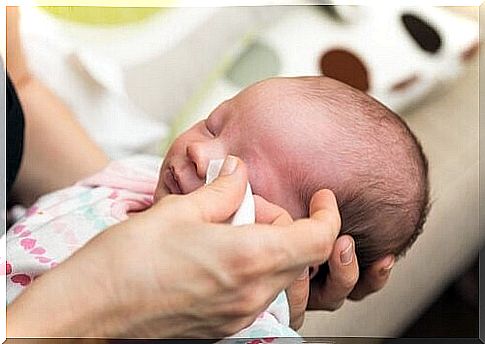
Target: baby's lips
170	181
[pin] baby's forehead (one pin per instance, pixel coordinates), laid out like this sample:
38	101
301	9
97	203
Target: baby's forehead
271	89
284	101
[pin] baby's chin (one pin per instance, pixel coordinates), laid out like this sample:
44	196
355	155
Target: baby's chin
161	191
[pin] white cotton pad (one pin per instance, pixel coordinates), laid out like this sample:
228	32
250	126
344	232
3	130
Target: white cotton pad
246	213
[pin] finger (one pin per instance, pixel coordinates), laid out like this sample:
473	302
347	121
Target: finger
297	295
215	202
323	206
312	239
374	278
341	279
267	212
286	250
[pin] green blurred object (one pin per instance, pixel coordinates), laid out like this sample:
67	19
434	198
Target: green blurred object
91	15
256	62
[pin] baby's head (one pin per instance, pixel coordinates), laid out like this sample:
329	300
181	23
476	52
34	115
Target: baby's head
299	135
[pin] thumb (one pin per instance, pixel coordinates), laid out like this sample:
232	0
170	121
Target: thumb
217	201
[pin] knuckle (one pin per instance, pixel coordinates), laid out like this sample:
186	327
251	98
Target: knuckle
249	303
324	245
227	280
350	281
243	262
345	282
336	220
239	273
247	248
259	298
356	295
271	255
297	322
333	306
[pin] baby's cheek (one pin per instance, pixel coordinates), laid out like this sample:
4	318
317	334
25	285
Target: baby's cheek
260	183
270	189
270	183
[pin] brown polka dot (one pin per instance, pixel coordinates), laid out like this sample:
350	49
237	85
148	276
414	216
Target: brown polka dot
422	32
470	52
405	83
344	66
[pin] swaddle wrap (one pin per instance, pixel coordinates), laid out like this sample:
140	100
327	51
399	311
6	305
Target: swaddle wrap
275	320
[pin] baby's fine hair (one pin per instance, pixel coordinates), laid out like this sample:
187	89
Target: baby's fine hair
385	201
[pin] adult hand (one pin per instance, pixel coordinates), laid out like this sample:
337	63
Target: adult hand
172	272
343	281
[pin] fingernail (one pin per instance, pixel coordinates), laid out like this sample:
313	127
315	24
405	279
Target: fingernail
304	275
347	254
229	166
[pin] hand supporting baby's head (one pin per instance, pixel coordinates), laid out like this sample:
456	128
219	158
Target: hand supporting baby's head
298	135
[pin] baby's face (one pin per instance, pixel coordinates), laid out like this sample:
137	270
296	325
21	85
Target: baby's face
261	126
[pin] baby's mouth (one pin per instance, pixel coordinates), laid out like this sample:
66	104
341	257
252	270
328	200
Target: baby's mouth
171	181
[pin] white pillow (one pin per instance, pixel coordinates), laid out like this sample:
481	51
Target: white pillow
397	54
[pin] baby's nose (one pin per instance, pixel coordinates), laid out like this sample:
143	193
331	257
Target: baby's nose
199	153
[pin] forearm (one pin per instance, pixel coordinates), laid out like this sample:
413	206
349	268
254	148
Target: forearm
69	301
57	151
17	65
96	293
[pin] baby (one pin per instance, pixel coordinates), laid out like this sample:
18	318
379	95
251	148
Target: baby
296	135
299	135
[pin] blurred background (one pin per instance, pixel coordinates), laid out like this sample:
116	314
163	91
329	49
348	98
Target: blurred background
136	77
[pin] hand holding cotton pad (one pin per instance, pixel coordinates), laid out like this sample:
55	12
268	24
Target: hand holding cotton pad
246	213
275	320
